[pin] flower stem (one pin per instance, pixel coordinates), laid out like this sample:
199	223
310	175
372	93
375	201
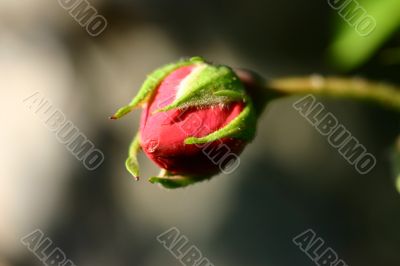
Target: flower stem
351	88
262	91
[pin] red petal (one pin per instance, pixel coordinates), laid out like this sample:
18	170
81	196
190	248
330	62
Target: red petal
163	134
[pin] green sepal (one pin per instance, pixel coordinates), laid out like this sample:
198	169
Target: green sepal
242	127
150	84
131	162
171	181
208	85
231	95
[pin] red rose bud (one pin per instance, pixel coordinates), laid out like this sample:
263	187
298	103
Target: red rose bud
197	119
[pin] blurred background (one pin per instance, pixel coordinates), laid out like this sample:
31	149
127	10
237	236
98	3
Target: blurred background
289	180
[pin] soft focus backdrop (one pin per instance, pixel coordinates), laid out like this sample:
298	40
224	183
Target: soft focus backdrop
289	179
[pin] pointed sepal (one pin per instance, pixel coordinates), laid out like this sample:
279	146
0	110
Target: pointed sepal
241	127
207	85
150	84
171	181
131	162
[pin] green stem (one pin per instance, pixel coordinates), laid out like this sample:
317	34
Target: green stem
351	88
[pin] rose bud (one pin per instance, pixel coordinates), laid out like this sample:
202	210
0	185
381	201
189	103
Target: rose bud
197	118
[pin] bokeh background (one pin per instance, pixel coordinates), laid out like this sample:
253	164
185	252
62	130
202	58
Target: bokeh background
289	179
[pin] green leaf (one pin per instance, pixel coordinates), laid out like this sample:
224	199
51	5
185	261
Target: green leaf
350	49
396	164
